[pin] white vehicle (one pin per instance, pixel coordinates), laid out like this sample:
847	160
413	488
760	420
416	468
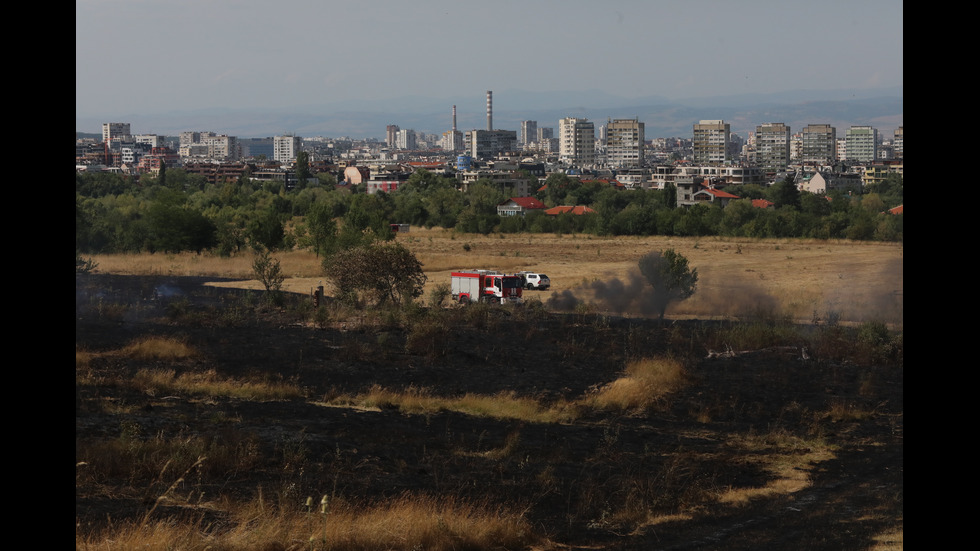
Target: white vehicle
534	280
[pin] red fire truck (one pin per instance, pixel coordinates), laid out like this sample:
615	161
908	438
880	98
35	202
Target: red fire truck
486	286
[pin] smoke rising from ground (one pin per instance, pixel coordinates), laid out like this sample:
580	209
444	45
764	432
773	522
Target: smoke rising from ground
884	302
636	296
633	296
745	299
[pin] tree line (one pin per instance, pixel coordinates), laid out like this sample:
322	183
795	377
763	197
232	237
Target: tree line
178	211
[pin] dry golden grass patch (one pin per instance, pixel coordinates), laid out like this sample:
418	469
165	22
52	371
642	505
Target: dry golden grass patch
643	383
83	359
293	263
789	459
406	522
893	540
209	383
845	411
158	348
505	405
159	381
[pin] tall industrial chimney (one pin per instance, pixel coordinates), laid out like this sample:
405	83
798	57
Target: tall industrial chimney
454	118
489	110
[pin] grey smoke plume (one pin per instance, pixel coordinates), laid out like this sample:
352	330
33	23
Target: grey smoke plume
745	299
633	296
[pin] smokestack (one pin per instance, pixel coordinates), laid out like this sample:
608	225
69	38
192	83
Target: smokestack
454	118
489	110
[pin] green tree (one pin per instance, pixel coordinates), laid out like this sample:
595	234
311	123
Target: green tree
669	196
322	228
173	228
303	174
382	272
670	276
266	229
785	193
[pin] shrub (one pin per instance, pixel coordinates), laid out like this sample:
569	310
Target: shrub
269	273
439	294
381	272
875	343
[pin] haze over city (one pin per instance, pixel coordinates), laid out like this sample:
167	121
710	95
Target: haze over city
193	60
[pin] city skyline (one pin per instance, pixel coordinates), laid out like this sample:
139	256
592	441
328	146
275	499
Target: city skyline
152	58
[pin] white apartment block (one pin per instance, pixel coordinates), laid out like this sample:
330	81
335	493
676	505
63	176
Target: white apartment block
209	145
529	132
112	131
405	139
862	144
772	146
130	155
711	142
151	140
796	147
576	138
285	148
624	143
452	141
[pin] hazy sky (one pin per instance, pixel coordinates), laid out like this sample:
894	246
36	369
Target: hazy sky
161	55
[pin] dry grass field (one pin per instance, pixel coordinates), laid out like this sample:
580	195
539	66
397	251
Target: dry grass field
798	279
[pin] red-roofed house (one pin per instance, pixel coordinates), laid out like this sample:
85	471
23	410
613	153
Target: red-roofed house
576	210
712	194
763	203
900	209
518	206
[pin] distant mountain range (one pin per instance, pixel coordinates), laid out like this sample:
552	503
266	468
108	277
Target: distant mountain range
663	117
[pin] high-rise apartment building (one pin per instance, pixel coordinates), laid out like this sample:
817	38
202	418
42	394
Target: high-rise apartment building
898	143
486	144
452	141
576	141
862	144
285	148
711	142
220	146
819	144
391	135
529	132
112	131
209	145
624	143
406	139
772	141
545	133
190	137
